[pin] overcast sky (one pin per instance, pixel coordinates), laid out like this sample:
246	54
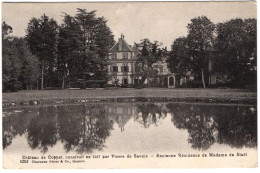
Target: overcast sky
162	21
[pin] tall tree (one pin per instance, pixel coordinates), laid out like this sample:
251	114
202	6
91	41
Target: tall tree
97	38
30	71
103	41
69	48
236	50
200	41
10	59
179	61
20	67
41	35
150	53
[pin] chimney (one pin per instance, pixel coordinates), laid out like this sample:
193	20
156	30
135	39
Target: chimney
120	42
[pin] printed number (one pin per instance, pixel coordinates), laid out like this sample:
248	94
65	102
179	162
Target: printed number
23	161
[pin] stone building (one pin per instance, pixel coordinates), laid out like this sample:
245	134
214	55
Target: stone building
122	70
164	77
121	63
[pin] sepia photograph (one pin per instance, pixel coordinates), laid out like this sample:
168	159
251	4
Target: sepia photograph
129	84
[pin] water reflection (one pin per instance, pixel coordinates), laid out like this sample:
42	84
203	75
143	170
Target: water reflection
14	125
121	114
85	128
42	129
149	114
232	125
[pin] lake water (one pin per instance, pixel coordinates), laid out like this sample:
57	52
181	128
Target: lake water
129	128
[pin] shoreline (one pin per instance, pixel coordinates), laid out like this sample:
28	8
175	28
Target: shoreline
59	97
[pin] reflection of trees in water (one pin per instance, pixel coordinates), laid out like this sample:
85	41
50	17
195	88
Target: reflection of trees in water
238	128
149	114
79	128
209	124
200	126
84	129
14	125
42	129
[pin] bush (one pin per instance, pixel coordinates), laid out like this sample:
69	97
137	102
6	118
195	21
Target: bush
111	85
95	83
140	86
192	84
127	86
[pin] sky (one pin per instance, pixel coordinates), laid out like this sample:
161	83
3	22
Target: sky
161	21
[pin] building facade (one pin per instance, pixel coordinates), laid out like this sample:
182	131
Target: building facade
164	77
121	63
122	71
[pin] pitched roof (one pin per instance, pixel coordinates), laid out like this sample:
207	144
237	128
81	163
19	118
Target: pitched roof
135	50
124	46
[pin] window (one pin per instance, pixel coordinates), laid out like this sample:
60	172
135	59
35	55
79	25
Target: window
160	69
113	56
124	69
136	81
125	55
125	80
115	69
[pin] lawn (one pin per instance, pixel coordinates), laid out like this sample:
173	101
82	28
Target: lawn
147	92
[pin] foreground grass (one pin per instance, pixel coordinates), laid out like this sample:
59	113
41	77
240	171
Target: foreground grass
237	94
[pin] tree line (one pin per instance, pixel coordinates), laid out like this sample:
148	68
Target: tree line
230	46
52	55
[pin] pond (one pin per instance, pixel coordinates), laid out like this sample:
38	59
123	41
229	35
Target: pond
129	128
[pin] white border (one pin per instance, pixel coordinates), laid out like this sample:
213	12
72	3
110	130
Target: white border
196	170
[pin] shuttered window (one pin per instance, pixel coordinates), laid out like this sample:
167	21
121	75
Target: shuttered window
124	69
115	69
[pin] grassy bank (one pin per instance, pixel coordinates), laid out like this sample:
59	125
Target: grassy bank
123	95
61	96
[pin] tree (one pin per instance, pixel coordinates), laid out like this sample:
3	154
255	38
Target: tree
30	71
7	30
150	53
200	41
179	61
10	59
236	50
97	39
41	35
20	67
104	40
69	48
83	45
